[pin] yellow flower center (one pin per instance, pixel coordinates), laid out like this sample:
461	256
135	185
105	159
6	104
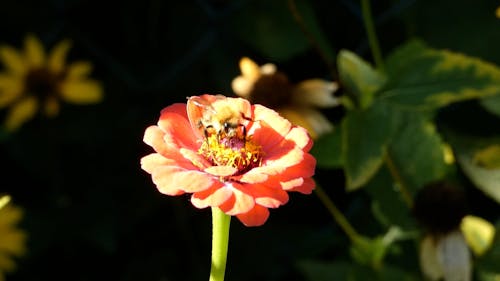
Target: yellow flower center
238	152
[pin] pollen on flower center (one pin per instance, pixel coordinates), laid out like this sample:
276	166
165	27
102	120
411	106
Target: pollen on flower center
240	153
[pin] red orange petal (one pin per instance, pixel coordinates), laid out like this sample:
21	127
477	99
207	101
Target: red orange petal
177	108
307	186
300	137
195	158
260	174
221	171
257	216
214	196
173	121
283	156
270	126
303	169
291	184
174	180
153	136
250	177
269	197
162	144
240	202
153	160
272	118
265	136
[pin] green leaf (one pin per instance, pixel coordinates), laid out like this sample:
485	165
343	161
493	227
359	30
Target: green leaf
269	27
488	276
365	135
358	77
424	78
326	150
487	180
388	206
417	152
492	104
372	251
369	251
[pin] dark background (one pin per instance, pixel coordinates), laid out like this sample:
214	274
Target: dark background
91	213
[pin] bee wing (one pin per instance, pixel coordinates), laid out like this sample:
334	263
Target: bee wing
197	107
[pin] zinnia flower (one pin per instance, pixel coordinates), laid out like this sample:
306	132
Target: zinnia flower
229	154
35	82
297	102
12	239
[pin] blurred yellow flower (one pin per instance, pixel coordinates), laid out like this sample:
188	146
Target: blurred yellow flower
34	82
12	239
298	103
497	12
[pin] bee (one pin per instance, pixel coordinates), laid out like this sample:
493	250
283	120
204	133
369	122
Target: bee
218	115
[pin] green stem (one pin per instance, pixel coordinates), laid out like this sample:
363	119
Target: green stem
403	188
336	214
372	36
220	241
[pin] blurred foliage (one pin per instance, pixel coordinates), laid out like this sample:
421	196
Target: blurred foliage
92	214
